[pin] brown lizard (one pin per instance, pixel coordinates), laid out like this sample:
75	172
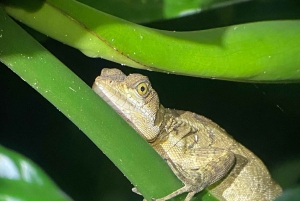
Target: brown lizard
199	152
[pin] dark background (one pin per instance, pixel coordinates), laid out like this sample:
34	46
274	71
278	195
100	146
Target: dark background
263	117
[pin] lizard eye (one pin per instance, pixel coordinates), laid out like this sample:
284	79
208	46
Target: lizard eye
142	88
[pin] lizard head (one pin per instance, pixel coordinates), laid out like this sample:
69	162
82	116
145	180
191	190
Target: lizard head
132	97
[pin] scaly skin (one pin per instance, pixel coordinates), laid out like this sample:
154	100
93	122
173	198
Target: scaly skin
199	152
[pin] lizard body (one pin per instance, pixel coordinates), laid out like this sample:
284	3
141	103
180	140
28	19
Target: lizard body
199	152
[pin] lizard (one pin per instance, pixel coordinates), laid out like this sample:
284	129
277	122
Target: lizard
199	152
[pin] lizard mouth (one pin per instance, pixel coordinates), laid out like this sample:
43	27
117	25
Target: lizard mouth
103	93
103	85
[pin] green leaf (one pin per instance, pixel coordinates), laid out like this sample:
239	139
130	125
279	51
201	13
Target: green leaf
21	179
128	151
259	52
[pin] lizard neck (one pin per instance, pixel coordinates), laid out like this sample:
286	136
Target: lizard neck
156	124
164	118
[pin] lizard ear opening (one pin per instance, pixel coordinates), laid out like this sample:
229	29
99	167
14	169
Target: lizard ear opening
142	89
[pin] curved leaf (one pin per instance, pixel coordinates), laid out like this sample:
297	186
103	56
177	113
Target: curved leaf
261	51
60	86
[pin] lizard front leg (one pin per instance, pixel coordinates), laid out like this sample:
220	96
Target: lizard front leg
199	168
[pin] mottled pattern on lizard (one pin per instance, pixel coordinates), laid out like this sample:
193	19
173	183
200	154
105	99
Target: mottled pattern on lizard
199	152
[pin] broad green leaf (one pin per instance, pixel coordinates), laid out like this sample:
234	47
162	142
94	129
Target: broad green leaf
259	52
22	180
69	94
